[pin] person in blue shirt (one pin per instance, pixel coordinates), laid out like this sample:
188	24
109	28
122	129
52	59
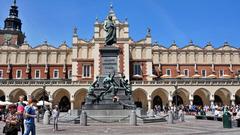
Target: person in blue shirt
30	115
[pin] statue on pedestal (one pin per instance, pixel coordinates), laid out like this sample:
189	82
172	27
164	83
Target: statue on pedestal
110	85
110	29
124	83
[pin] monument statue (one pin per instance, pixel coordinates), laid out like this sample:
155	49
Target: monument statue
110	29
124	83
110	85
91	89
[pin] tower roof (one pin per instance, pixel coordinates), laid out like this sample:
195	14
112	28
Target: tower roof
12	22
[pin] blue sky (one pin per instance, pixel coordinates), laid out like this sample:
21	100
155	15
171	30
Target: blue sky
180	20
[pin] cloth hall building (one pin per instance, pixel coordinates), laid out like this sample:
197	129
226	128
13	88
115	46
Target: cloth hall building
158	75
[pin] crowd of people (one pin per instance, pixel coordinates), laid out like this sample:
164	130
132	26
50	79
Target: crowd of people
213	110
20	117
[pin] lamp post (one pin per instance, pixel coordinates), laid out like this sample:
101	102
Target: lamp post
44	87
176	102
176	94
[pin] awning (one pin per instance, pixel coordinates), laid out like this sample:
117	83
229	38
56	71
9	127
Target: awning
137	76
165	76
40	103
5	103
212	76
181	76
196	76
226	76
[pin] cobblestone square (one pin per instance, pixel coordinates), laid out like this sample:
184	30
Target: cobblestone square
190	127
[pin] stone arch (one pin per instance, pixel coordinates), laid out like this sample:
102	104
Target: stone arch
60	96
2	95
224	95
181	95
162	96
237	97
202	93
38	94
14	95
79	98
140	98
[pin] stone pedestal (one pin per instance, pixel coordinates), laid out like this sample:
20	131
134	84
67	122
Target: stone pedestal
133	118
46	118
109	60
83	119
170	117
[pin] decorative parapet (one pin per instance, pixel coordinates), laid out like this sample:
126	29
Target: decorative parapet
42	82
162	82
189	82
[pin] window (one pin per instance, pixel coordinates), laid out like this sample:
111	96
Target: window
137	69
37	74
168	72
86	71
70	74
186	72
204	73
1	74
221	73
56	74
18	74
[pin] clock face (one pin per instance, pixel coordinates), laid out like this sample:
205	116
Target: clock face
7	37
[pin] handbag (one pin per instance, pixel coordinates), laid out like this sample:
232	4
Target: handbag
9	128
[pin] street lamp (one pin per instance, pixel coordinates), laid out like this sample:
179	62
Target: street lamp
44	93
176	94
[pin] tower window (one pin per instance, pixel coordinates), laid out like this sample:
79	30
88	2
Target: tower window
1	74
55	74
86	71
221	73
70	74
168	72
19	74
37	74
204	73
186	72
137	69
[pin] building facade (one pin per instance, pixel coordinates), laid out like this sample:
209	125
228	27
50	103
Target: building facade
159	75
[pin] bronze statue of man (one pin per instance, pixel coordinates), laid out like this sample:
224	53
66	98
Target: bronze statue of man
110	29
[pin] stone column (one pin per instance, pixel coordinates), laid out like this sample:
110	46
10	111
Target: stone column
191	102
7	98
149	104
72	102
232	102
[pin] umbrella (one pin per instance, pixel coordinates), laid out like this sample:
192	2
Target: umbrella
5	103
40	103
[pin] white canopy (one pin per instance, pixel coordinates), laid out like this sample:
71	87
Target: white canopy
40	103
5	103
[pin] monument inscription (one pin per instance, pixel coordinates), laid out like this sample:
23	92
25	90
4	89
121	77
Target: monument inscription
109	65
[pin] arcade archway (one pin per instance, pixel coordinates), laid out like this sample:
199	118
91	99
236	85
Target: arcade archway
201	97
140	99
222	97
79	98
2	96
61	97
159	97
14	95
